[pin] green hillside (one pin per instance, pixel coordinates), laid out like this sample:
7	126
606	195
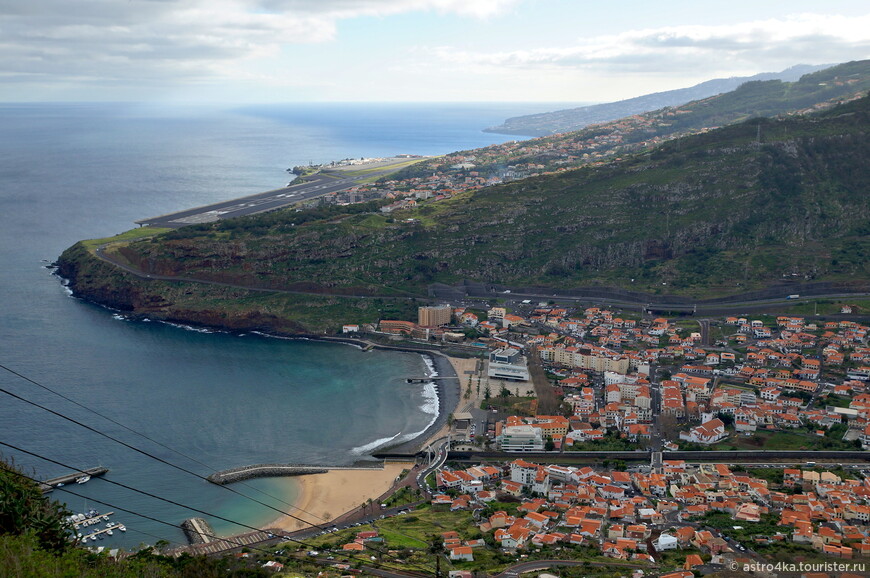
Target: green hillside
769	98
712	214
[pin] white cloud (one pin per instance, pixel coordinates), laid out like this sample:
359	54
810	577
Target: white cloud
151	40
748	46
354	8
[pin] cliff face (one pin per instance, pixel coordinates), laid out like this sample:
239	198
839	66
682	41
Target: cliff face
230	308
103	283
189	303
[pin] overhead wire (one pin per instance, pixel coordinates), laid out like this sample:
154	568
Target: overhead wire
147	454
177	526
147	437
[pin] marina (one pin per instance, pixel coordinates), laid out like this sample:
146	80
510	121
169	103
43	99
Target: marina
95	519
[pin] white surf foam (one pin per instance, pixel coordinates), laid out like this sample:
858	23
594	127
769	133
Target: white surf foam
189	327
370	447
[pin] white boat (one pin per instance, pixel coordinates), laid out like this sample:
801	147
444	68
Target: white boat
122	527
83	479
109	531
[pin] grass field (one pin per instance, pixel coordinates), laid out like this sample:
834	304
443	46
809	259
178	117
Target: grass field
779	440
125	237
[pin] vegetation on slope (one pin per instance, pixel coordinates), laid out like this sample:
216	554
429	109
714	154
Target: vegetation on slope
573	119
726	210
713	214
813	92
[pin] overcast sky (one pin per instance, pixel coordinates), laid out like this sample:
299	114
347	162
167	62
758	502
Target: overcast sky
408	50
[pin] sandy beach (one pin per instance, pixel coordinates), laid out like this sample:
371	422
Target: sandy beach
328	496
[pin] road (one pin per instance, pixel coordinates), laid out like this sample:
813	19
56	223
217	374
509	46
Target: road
521	568
738	304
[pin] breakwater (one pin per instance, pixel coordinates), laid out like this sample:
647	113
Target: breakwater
263	471
278	470
198	531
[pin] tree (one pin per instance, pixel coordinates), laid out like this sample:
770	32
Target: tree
549	445
25	510
668	426
727	418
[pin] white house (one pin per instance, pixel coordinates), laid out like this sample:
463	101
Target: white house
708	432
666	542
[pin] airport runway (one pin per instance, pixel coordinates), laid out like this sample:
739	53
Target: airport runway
315	186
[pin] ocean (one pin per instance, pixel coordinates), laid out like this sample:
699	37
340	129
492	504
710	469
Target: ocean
81	170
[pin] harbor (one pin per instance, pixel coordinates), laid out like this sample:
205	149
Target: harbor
93	518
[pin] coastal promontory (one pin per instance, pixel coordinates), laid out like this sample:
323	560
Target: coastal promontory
718	213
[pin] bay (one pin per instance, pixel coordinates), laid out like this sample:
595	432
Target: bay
85	170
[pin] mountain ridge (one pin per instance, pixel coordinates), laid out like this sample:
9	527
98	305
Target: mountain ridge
572	119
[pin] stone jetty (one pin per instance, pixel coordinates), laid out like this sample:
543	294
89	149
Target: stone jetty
263	471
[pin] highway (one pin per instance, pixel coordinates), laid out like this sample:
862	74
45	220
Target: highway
315	186
474	294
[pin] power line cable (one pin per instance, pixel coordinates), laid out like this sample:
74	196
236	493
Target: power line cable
152	456
161	460
177	526
150	439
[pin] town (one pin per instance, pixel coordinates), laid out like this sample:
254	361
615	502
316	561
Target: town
439	178
624	383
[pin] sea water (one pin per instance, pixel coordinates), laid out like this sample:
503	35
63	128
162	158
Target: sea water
76	171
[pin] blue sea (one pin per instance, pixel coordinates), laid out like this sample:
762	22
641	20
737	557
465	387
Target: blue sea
77	171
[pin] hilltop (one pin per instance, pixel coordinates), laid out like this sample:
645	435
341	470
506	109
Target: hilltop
574	119
717	213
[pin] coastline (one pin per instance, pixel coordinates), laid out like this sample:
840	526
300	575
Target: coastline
327	496
448	390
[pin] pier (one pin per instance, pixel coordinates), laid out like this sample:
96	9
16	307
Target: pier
49	485
198	531
218	546
425	379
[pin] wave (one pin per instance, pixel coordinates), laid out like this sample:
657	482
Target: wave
430	366
369	447
190	327
64	282
294	338
431	405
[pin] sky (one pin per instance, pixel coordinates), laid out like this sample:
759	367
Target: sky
407	50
